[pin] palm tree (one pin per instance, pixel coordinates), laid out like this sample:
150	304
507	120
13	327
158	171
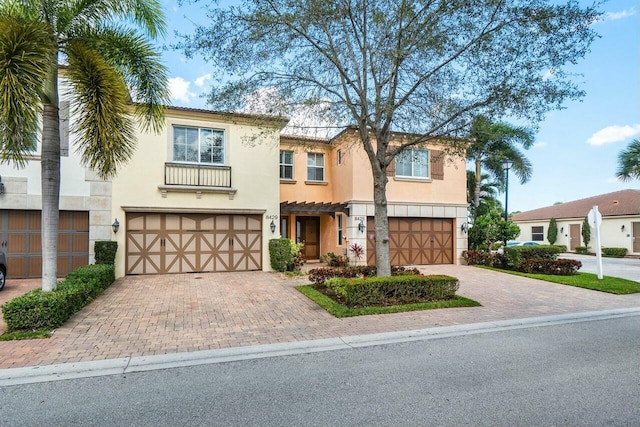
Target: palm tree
492	142
103	61
488	193
629	162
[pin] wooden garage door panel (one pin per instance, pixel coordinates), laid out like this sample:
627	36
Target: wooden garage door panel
415	241
21	235
194	242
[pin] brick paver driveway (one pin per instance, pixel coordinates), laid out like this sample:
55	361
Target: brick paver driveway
146	315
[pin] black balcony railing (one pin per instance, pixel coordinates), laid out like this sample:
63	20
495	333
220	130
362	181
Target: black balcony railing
197	175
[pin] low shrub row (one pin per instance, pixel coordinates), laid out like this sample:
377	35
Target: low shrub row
558	267
614	252
320	275
395	290
582	250
38	310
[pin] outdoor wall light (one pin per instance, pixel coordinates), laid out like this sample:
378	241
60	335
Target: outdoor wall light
622	228
464	227
561	229
361	227
272	226
115	226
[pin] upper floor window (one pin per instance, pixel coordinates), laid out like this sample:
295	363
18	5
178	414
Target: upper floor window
537	233
286	164
413	162
315	167
198	145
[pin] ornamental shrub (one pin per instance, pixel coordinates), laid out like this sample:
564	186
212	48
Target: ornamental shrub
48	310
559	267
395	290
106	251
320	275
552	231
582	250
280	253
614	252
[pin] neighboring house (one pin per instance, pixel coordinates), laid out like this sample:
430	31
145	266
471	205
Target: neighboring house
326	193
200	196
85	211
620	221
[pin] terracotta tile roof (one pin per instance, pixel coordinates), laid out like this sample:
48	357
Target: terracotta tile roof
624	202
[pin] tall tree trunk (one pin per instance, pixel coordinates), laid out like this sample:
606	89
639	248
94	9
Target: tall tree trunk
381	221
476	196
50	168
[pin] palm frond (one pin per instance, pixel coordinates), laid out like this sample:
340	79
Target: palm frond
141	67
105	130
629	162
26	54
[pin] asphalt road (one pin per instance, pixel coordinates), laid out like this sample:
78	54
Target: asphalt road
583	373
625	268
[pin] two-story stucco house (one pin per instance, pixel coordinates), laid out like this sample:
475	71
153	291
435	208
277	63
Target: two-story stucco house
326	193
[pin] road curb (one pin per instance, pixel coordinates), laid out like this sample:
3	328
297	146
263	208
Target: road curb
125	365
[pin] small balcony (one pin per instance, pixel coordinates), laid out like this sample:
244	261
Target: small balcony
185	177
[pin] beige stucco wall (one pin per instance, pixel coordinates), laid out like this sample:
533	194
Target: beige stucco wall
252	152
611	234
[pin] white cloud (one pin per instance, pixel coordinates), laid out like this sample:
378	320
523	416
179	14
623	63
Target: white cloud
614	134
179	89
614	16
200	81
539	144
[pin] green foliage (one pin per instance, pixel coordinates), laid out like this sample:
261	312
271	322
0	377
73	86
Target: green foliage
38	310
106	251
629	162
395	290
552	231
586	231
516	254
614	252
558	267
280	253
320	275
490	228
582	250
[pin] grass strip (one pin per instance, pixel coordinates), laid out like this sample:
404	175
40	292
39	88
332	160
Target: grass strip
612	285
28	335
339	310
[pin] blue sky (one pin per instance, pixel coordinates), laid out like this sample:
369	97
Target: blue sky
576	149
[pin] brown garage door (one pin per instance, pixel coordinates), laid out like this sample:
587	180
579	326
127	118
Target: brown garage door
185	243
415	241
22	242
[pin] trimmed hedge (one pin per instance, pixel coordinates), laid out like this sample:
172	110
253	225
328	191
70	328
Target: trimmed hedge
106	251
514	255
582	250
280	254
614	252
559	267
395	290
37	310
320	275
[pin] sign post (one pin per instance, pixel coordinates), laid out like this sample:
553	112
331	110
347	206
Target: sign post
595	220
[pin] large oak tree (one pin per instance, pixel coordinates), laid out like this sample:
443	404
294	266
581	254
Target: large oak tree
421	67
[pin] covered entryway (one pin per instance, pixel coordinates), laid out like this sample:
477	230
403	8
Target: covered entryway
185	243
574	236
21	237
308	232
636	236
419	241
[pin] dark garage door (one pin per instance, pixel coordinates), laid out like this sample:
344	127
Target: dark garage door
22	242
417	241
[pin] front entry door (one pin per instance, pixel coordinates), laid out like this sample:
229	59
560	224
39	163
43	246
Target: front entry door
574	236
308	232
636	236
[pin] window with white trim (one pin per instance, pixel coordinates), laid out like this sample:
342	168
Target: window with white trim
286	164
315	167
340	235
198	145
537	233
413	162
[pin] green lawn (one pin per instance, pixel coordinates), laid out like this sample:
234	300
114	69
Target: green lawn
612	285
339	310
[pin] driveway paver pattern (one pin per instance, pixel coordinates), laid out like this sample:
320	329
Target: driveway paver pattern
149	315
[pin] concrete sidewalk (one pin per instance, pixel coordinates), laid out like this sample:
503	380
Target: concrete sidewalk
154	315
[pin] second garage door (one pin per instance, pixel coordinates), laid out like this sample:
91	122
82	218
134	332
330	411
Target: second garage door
419	241
184	243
